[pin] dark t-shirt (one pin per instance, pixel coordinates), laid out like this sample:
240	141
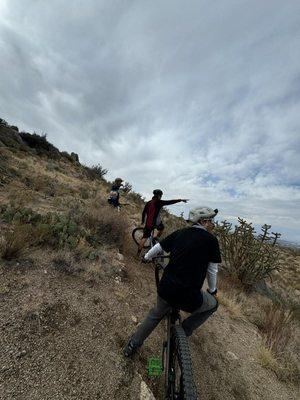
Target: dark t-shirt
191	250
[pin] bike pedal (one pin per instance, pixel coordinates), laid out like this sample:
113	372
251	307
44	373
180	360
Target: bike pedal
155	367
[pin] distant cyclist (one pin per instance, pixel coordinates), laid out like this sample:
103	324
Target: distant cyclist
151	214
194	256
114	195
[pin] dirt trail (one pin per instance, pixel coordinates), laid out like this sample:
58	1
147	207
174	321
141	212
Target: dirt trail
61	338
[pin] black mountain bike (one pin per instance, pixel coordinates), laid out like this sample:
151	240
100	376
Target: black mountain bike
176	358
137	235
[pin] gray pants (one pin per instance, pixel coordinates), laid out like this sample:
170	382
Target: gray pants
156	314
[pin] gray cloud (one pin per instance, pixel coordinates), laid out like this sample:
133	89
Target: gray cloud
201	99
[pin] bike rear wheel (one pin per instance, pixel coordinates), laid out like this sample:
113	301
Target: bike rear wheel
181	384
137	235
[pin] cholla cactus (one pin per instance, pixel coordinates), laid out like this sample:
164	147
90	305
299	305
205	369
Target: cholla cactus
248	257
127	187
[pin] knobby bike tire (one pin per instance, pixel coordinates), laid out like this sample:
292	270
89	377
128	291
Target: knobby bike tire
181	351
137	235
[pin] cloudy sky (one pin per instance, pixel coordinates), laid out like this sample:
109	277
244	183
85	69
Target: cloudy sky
199	98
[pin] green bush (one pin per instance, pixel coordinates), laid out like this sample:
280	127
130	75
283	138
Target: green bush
246	256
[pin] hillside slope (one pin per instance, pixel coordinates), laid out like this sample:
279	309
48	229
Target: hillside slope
71	297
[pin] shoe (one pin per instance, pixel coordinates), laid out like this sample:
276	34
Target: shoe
130	349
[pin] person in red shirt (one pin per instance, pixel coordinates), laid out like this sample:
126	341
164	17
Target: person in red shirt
151	214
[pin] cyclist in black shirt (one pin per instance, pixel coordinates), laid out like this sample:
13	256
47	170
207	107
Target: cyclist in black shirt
194	255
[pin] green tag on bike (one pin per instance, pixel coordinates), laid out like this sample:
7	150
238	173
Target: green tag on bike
154	367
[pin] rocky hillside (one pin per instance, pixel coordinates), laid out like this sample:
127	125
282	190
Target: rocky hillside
72	291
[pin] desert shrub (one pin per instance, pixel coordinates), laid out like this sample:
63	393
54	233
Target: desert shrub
16	241
64	231
7	173
55	229
248	257
84	192
83	250
136	198
40	144
20	198
95	172
267	359
51	166
3	122
127	187
91	225
41	183
104	226
64	262
13	212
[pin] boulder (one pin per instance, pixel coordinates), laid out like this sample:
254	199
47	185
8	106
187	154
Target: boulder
75	157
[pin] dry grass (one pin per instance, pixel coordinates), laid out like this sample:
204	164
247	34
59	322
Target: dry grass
284	367
107	226
15	243
277	327
232	304
93	273
20	197
83	249
267	359
65	263
232	297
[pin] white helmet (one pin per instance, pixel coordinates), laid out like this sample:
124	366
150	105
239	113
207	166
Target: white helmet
202	212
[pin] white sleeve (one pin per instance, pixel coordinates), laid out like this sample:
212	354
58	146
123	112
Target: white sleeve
211	276
153	252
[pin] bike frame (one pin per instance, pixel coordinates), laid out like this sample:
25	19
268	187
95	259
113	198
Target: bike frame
171	319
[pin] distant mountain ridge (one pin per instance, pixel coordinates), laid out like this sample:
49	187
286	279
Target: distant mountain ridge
287	243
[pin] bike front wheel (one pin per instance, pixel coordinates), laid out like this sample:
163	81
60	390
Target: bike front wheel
181	385
137	235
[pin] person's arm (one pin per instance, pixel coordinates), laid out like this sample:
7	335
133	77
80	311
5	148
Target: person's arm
212	270
144	214
211	276
153	252
169	202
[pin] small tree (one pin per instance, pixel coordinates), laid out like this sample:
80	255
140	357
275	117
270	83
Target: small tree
95	172
99	171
